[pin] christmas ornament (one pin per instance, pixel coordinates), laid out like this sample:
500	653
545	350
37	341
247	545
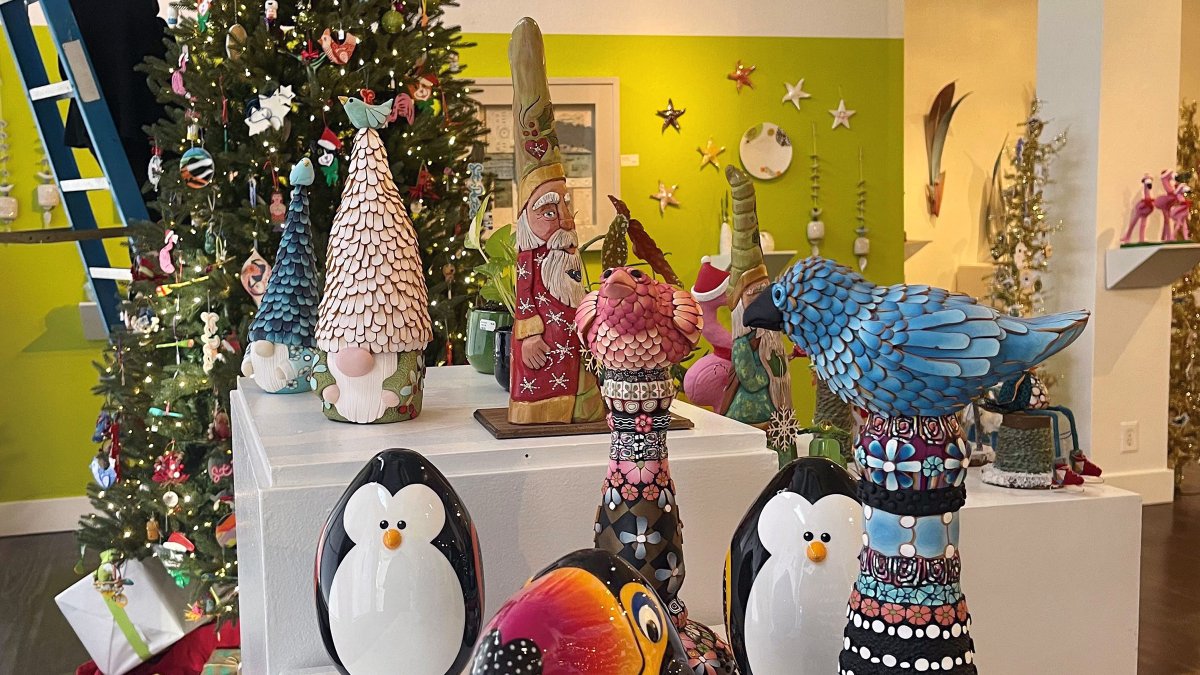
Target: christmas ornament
219	429
937	125
256	273
424	186
235	41
108	578
765	151
103	470
422	88
338	49
270	11
365	115
670	116
475	189
328	147
841	116
218	470
170	499
211	341
665	197
269	111
403	106
795	92
862	245
393	20
277	208
164	254
741	76
154	170
168	468
226	531
174	551
202	13
177	85
152	530
709	154
196	167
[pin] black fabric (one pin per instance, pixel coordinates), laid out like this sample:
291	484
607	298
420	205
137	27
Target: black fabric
119	35
912	502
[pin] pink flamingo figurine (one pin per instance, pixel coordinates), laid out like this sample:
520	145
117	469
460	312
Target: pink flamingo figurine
706	379
1165	201
1142	209
1180	210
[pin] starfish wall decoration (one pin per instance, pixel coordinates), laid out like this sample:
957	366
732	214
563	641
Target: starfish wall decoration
741	76
709	153
671	115
665	197
795	93
841	116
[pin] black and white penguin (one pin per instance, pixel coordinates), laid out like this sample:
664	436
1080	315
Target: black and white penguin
399	581
790	569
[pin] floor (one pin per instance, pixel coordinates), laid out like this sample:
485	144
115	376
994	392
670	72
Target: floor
34	637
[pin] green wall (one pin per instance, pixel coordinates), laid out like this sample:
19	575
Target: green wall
691	71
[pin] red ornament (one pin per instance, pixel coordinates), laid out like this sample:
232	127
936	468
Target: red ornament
424	186
168	468
367	96
309	53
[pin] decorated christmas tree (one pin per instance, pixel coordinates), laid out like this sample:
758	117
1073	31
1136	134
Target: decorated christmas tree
1184	431
250	89
1021	246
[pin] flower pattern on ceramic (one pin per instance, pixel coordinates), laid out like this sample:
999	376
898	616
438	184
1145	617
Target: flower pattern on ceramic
672	573
891	463
640	537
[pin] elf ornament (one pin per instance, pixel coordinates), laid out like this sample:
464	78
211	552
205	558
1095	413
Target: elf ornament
373	323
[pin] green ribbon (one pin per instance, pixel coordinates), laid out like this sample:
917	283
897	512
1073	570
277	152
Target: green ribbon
128	630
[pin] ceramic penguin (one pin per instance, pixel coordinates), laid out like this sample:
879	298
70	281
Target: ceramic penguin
589	613
399	578
791	566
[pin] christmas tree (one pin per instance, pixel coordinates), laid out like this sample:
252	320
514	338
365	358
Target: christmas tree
1184	431
1021	247
250	90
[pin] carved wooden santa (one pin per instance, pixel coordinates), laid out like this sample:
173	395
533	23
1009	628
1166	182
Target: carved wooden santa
374	322
549	383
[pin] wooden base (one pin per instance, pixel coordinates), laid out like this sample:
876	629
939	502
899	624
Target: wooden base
495	420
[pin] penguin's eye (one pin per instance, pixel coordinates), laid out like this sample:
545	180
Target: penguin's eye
778	296
607	273
383	524
648	619
808	536
825	537
400	525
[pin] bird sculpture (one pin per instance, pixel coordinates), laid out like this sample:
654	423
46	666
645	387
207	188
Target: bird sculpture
637	328
904	350
365	115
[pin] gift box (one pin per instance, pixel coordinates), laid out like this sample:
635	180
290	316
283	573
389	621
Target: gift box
118	634
223	662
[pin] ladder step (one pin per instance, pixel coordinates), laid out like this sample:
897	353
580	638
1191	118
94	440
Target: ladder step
57	90
61	234
84	184
114	273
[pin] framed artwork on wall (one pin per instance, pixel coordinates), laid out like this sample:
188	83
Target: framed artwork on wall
588	124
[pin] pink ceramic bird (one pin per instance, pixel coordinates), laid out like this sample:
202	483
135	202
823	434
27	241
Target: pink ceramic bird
634	322
709	376
1142	209
1165	201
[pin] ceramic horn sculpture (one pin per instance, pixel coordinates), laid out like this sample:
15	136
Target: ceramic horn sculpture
637	328
399	578
589	613
548	382
283	345
374	317
911	356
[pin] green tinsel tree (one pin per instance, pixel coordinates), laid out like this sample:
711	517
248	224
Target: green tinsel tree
1184	431
1020	247
169	437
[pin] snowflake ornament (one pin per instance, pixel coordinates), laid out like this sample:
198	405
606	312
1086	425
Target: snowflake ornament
783	428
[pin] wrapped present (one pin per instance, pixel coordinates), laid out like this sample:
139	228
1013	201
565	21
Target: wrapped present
125	613
223	662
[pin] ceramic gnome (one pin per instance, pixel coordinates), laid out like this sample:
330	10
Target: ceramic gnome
710	375
761	391
589	613
399	582
548	381
638	328
374	317
792	560
283	342
912	357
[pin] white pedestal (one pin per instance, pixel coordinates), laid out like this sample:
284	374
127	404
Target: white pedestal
532	500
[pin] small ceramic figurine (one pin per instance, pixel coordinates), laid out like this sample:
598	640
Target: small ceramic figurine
1142	209
1167	199
709	376
638	328
1179	213
548	382
399	582
282	350
589	613
912	357
373	323
792	560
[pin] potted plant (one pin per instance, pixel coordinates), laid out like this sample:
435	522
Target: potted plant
494	318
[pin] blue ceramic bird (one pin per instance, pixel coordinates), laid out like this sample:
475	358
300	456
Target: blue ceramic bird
302	173
904	350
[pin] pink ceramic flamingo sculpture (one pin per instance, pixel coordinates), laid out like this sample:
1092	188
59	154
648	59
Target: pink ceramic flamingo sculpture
1165	201
1142	209
1180	210
707	379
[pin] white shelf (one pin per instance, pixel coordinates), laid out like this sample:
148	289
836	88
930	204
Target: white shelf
1148	266
911	246
777	262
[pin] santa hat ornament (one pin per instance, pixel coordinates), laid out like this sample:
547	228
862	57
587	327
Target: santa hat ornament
711	281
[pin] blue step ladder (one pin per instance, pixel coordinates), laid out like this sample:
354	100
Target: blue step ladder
118	177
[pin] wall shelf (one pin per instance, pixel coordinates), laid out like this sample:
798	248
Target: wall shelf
1148	266
911	246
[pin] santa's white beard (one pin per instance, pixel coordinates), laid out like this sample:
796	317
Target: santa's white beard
561	261
360	399
271	373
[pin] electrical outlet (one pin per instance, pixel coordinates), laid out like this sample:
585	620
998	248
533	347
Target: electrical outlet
1129	436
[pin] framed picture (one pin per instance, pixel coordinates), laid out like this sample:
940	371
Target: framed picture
586	118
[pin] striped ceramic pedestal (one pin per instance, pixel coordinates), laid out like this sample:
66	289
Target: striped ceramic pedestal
907	612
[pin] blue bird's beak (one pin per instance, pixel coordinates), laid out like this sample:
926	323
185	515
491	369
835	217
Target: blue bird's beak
762	313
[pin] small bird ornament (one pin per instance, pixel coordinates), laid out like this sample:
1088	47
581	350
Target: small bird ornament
904	350
365	115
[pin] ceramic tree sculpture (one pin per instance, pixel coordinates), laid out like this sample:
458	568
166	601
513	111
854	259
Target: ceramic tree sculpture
283	344
911	356
710	375
761	391
637	328
548	382
374	316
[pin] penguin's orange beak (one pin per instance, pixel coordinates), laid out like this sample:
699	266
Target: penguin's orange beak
816	551
392	539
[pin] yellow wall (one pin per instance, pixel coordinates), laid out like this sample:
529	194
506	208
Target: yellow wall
691	71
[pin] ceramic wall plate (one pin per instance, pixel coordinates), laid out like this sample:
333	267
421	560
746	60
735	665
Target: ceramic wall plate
766	151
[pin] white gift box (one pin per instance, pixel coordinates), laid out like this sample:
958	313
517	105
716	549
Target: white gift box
155	609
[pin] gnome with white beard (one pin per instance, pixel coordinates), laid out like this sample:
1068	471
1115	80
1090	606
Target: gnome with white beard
374	324
282	349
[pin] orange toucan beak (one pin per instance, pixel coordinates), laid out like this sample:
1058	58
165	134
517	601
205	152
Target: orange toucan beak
619	284
392	539
816	551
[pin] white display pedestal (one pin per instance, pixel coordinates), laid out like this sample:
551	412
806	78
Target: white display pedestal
532	500
1052	578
